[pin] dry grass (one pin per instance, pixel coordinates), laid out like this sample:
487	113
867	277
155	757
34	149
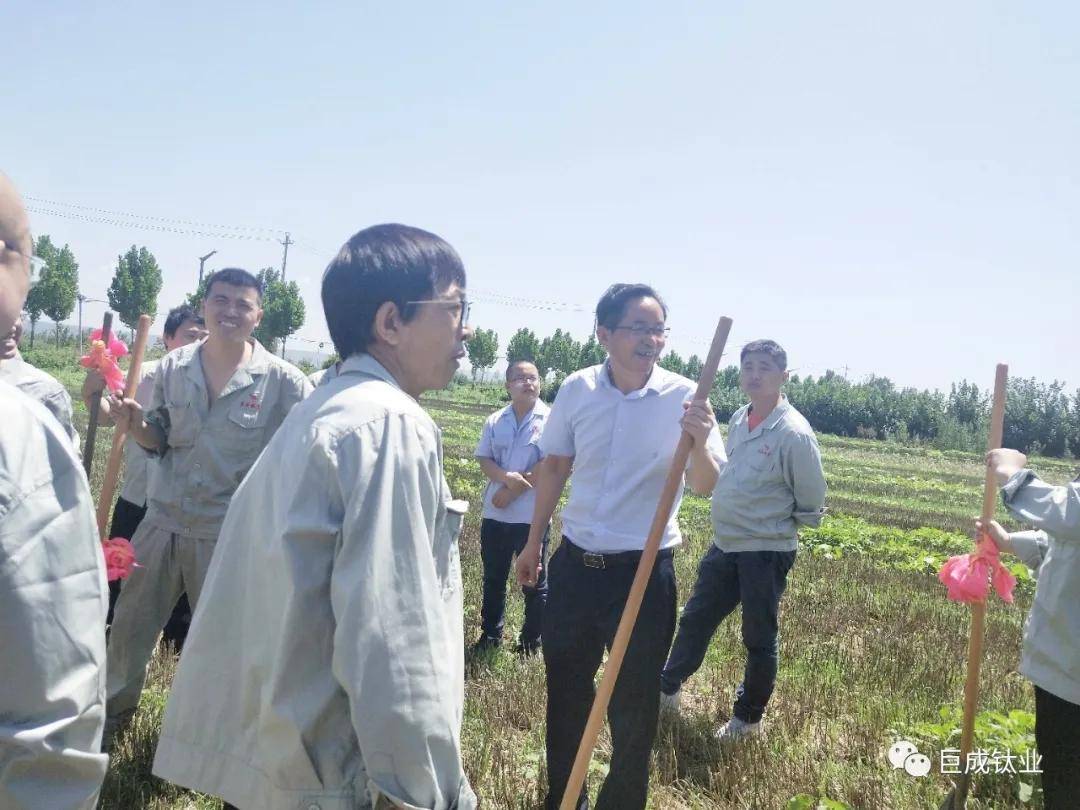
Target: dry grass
864	649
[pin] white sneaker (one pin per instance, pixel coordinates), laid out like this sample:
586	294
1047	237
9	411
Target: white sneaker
669	704
736	731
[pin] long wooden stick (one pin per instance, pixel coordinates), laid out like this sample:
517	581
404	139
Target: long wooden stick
978	609
95	408
641	579
116	452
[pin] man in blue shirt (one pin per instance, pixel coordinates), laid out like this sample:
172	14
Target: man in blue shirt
509	448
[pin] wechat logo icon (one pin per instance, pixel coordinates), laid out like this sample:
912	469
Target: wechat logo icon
903	754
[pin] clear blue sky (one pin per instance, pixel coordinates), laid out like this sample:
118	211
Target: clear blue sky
894	188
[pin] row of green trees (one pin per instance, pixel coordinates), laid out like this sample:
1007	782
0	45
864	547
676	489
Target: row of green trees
1039	417
135	287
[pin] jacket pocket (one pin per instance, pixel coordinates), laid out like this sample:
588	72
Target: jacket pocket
247	427
447	554
183	424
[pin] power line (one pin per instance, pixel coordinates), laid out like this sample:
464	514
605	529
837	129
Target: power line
172	220
148	226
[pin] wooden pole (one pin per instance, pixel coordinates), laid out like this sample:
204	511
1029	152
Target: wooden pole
641	579
958	796
116	452
95	407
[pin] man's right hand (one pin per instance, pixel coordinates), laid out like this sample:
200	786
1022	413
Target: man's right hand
997	533
516	482
527	567
93	385
125	413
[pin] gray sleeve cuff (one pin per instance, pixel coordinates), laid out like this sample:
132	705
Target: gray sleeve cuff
1015	484
1030	547
159	417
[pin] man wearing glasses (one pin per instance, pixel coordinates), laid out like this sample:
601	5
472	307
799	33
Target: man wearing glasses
53	595
616	426
508	451
338	680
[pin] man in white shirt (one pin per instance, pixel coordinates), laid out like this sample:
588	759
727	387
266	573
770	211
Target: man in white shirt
616	426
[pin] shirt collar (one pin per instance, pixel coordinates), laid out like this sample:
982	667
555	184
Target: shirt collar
257	365
777	413
364	363
539	408
654	384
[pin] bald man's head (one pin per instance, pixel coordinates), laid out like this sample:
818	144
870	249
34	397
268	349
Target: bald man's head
15	250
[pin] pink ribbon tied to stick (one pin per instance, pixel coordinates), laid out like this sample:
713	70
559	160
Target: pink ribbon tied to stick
968	576
119	558
103	358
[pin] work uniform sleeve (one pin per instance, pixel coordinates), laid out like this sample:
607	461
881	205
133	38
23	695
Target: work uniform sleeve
801	465
52	637
1031	548
1055	510
157	413
394	645
484	448
59	405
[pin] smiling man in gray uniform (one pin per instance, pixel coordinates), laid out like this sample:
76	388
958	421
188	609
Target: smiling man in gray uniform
216	403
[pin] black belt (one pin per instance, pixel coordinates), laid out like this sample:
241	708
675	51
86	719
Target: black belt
591	559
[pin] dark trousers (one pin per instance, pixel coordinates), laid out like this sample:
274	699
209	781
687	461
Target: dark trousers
756	579
499	542
583	612
126	518
1057	736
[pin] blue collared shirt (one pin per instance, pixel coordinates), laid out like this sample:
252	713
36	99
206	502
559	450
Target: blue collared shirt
514	446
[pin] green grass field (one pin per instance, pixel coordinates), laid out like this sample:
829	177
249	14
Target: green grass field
871	650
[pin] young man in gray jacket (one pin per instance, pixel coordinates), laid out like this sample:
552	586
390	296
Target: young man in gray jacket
771	485
325	664
1051	654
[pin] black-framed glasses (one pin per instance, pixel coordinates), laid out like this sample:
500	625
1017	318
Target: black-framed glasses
531	378
639	331
462	305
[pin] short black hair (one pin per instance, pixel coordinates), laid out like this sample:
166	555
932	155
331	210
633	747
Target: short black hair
613	303
769	347
237	277
510	366
177	315
383	263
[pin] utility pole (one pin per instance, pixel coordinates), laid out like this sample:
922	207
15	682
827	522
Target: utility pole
284	259
202	261
83	299
285	255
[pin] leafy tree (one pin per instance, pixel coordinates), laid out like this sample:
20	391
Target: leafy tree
135	286
672	362
692	369
592	353
483	349
55	294
283	308
559	352
523	345
1074	425
195	299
